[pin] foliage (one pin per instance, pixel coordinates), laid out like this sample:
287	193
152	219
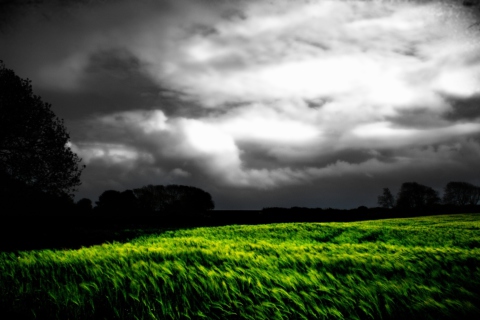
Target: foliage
84	205
461	194
174	198
151	197
417	268
413	195
34	149
386	200
112	201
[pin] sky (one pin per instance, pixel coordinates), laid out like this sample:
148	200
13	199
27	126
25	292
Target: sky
260	103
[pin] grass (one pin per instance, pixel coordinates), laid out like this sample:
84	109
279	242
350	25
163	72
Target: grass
416	268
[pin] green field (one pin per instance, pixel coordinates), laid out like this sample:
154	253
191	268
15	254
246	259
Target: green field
416	268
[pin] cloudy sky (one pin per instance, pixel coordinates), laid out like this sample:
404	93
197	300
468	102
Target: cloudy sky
261	103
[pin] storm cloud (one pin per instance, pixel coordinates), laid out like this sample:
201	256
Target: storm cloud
310	103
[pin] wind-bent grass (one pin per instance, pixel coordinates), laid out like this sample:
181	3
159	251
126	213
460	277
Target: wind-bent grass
418	268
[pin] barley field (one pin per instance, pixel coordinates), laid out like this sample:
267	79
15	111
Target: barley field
415	268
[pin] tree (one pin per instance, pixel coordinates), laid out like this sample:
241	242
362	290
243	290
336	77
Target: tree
461	194
34	144
414	196
151	198
84	205
174	198
386	200
117	203
188	199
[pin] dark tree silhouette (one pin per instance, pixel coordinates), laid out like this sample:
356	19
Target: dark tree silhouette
21	199
386	200
413	195
461	194
188	199
151	198
84	205
109	202
128	202
34	147
174	198
116	202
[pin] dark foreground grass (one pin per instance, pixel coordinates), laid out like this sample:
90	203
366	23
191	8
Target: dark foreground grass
417	268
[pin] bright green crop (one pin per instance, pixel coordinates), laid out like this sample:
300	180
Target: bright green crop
417	268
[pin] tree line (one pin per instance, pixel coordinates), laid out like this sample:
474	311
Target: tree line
413	195
151	199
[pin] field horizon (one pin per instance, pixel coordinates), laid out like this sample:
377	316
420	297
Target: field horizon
420	268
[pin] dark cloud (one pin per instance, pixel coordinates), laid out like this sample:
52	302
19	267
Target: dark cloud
115	80
260	156
464	108
419	118
317	103
316	44
112	81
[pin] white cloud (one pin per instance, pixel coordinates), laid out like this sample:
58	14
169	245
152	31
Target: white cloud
112	154
385	135
460	82
329	48
178	172
285	122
